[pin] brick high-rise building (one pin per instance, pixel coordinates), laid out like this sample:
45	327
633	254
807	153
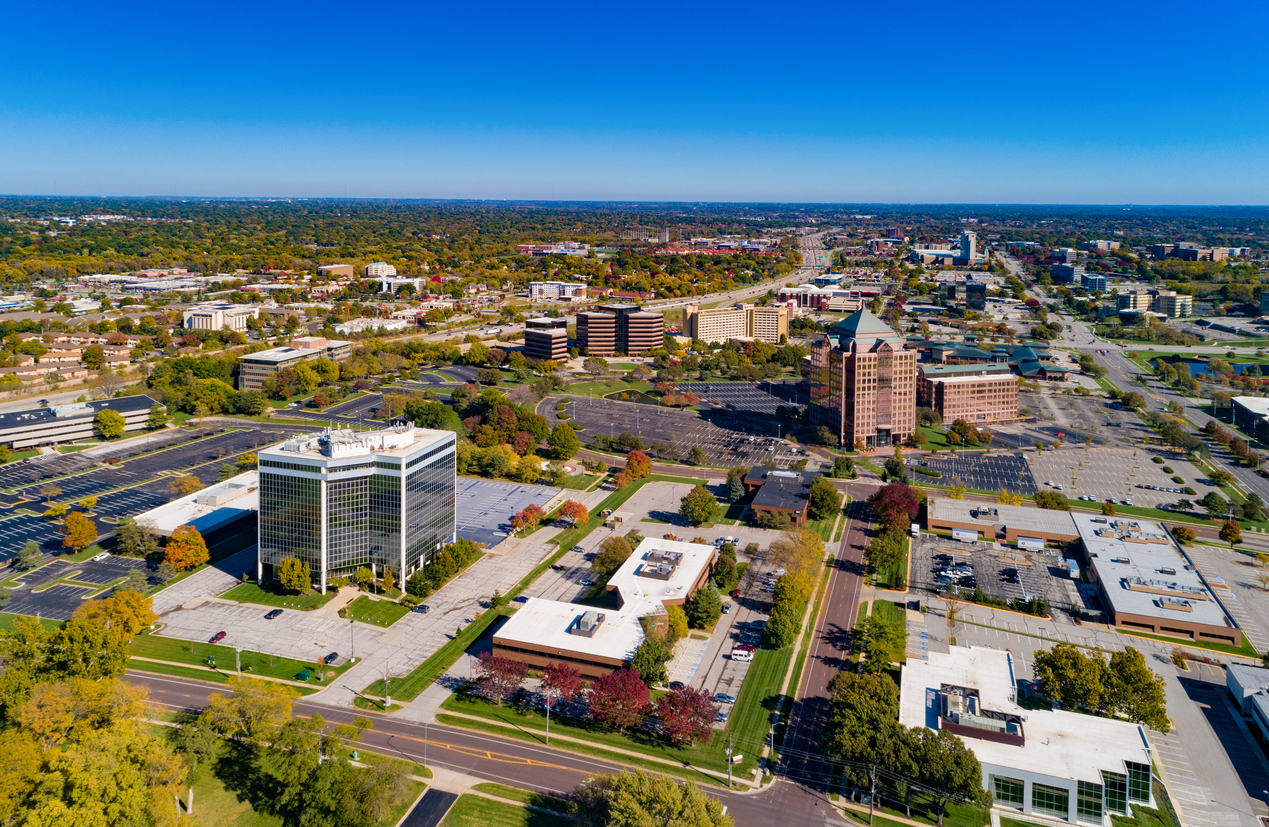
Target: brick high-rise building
546	339
620	329
979	394
863	388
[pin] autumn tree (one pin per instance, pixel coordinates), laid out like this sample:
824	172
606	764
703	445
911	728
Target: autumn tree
108	424
293	575
1231	533
687	715
574	512
184	485
185	549
799	552
80	531
562	681
253	711
895	504
638	465
619	699
632	800
500	676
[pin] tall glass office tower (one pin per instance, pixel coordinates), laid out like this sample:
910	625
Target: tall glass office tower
341	500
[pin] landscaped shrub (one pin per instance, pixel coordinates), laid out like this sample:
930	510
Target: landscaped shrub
1157	460
1178	481
927	472
1166	469
1190	491
562	416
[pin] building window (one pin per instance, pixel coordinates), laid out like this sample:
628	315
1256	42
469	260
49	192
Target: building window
1116	792
1008	791
1138	782
1051	801
1088	803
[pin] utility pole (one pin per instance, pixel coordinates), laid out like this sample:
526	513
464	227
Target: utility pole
729	746
872	791
238	661
352	638
387	693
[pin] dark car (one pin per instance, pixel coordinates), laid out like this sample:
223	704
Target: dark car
676	685
331	658
217	638
557	567
765	607
520	599
421	609
273	614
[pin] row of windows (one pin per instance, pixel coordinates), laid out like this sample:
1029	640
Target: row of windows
1090	800
288	466
607	667
447	445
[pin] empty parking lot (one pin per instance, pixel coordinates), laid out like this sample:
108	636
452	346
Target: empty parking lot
483	508
988	472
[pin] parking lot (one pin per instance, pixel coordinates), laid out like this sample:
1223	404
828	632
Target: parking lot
1234	579
484	508
1000	571
1122	473
132	501
989	472
16	532
60	602
761	398
1084	418
726	439
362	407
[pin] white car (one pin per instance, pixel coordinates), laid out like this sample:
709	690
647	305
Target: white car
105	555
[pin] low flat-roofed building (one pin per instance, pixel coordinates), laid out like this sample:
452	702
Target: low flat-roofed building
254	369
978	394
1147	583
336	270
658	574
218	511
1251	414
556	291
1049	763
66	423
779	491
993	521
218	315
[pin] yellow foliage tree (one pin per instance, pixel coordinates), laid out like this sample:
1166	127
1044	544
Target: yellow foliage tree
186	549
81	532
1004	497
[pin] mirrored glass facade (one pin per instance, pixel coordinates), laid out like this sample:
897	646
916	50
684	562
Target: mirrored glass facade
341	514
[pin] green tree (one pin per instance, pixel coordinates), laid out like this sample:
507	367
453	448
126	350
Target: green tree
826	501
253	711
135	539
1053	500
696	456
704	607
1135	692
136	581
1214	504
863	724
564	442
736	483
724	574
947	768
612	553
363	577
1071	678
108	424
294	575
698	506
844	468
30	556
94	357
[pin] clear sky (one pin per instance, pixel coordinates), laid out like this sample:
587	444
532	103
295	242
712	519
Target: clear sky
1073	102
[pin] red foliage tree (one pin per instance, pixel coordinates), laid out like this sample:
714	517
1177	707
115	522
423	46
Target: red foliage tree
687	714
524	442
563	681
896	504
500	676
528	518
574	512
619	699
638	465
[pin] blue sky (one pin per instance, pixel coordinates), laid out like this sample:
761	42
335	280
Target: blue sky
1076	102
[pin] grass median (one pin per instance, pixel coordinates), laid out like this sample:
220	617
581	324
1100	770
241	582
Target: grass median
478	811
425	674
378	612
546	802
271	596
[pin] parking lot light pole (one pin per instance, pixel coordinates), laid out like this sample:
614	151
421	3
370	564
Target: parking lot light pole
352	638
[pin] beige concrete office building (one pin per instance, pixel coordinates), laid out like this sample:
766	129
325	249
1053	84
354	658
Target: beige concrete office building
218	316
979	394
624	329
255	369
766	324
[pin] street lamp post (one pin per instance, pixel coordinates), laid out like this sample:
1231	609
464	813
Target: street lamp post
352	638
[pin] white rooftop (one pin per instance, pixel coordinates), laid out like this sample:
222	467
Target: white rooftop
393	441
1018	517
657	571
1255	404
208	509
1143	572
1057	743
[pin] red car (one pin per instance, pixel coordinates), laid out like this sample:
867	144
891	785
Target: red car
745	647
765	607
735	592
217	638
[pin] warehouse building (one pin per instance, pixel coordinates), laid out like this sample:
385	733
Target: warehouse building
1147	583
1007	523
67	423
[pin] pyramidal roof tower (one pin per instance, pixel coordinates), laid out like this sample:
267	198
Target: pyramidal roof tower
866	331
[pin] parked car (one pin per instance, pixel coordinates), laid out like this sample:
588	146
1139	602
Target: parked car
747	647
421	609
578	549
724	698
586	581
676	685
105	555
519	599
727	608
273	614
331	658
721	717
735	593
217	638
741	655
557	567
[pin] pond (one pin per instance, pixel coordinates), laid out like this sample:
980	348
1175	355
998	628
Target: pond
1199	368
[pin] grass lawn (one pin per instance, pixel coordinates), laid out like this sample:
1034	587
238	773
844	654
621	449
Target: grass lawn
268	595
570	538
1246	650
409	687
579	482
379	612
546	802
934	438
602	387
6	622
146	645
229	793
895	577
477	811
888	611
72	449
